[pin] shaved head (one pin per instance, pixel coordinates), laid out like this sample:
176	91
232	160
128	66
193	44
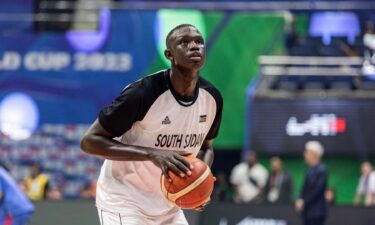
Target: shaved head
170	34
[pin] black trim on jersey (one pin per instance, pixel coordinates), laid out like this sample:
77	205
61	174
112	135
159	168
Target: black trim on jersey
184	101
215	127
133	104
136	99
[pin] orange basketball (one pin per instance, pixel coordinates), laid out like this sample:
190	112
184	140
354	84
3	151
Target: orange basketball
192	191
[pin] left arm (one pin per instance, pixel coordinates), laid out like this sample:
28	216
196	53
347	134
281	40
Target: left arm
206	153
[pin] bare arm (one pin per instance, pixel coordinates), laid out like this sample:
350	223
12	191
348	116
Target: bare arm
369	199
97	141
357	199
206	153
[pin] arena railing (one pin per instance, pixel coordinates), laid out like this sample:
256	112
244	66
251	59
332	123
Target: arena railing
310	66
212	5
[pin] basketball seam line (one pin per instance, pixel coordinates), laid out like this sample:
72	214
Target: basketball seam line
174	196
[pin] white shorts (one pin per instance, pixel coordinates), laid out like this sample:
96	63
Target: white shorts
136	218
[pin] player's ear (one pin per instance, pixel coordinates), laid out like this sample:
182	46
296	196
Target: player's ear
168	54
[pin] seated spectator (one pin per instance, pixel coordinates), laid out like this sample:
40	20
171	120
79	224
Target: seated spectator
248	179
279	184
366	185
37	184
330	196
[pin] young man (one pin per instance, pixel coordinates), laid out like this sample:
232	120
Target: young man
248	179
366	185
160	119
13	202
279	184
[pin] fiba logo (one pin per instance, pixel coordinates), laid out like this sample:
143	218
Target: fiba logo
317	125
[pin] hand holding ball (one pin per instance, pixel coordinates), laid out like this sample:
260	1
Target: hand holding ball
192	191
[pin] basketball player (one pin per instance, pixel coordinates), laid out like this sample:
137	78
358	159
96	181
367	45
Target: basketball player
159	119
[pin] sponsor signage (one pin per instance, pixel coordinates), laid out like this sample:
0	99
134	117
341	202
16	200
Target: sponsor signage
343	126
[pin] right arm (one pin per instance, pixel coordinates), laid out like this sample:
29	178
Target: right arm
369	199
357	199
115	120
299	204
97	141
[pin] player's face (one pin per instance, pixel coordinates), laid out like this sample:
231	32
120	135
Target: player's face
187	48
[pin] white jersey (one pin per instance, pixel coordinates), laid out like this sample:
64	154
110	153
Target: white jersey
150	113
248	181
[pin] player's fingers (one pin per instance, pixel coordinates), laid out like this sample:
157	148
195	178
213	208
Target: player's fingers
175	170
184	153
184	161
182	166
199	209
164	170
208	201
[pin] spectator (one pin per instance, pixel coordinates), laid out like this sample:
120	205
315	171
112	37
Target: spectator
248	179
330	196
14	203
369	37
369	43
311	203
37	184
366	185
279	184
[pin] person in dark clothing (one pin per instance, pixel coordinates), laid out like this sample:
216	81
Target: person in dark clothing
311	203
279	184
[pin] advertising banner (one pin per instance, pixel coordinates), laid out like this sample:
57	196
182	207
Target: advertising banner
344	126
